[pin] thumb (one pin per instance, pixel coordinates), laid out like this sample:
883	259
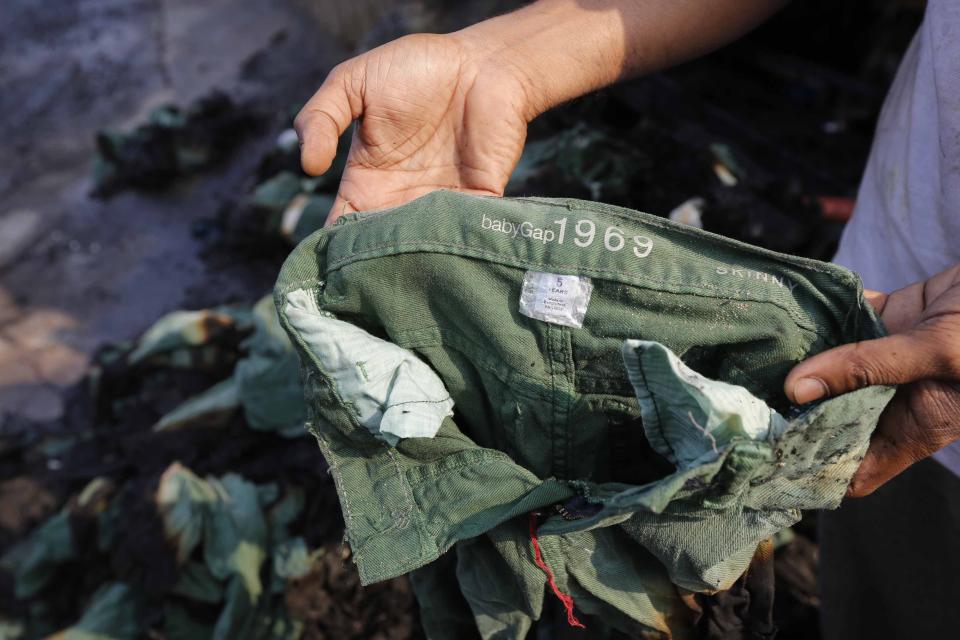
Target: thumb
896	359
323	119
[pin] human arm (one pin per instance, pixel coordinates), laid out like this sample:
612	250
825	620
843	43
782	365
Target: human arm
451	111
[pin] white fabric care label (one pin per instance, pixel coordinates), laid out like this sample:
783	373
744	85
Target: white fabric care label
555	298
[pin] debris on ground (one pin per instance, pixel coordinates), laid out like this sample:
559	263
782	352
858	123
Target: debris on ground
690	213
265	383
836	208
200	516
725	166
291	205
172	143
331	604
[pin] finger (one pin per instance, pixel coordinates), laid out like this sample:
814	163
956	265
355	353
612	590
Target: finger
896	359
905	307
902	308
322	120
939	283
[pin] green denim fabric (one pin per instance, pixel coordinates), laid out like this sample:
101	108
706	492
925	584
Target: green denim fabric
545	417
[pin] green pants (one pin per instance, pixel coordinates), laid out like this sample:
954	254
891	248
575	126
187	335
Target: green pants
575	400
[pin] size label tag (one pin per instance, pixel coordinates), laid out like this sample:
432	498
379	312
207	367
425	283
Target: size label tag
555	298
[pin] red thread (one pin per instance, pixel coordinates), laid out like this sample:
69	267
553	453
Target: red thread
538	558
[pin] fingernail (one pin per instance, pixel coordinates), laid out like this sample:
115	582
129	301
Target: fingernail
809	389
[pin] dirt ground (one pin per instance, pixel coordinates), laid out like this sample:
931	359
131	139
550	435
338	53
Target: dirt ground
78	273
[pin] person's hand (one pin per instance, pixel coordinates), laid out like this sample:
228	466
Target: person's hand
922	354
432	112
451	111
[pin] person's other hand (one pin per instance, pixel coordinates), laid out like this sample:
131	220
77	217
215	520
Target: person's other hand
922	354
432	112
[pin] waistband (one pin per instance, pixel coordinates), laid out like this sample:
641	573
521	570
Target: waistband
574	237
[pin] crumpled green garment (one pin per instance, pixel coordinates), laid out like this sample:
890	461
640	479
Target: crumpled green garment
634	510
689	418
394	394
694	422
